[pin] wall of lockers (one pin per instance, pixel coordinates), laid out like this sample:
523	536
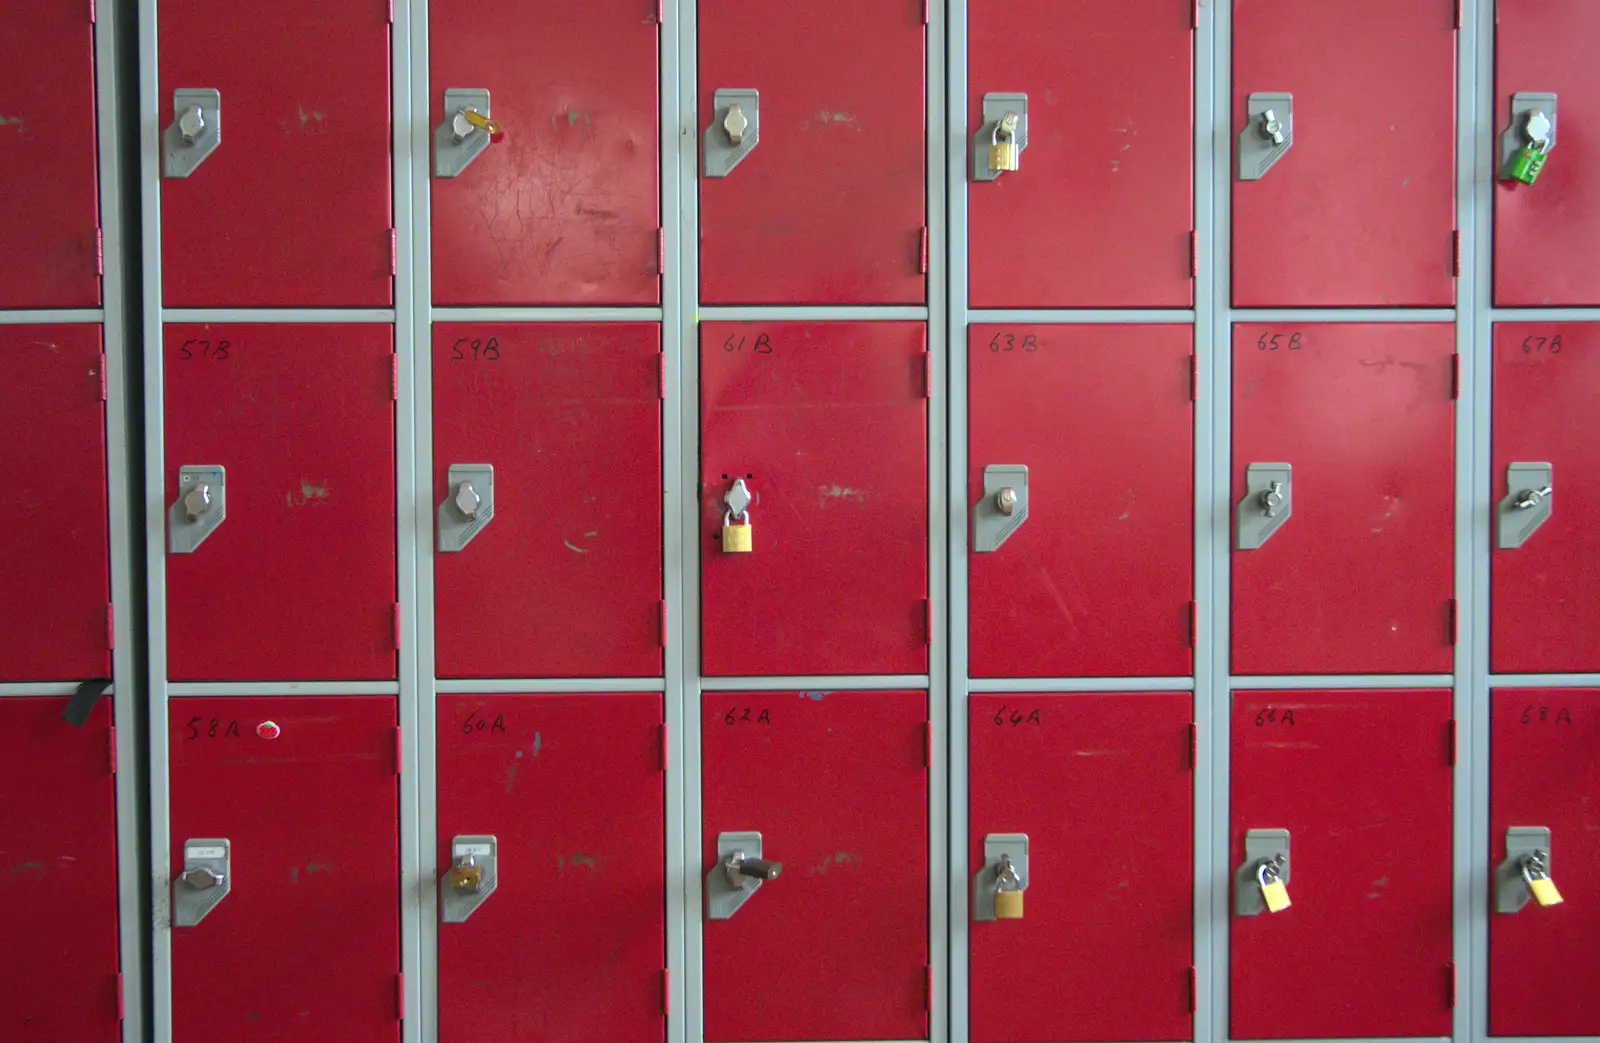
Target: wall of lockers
1020	521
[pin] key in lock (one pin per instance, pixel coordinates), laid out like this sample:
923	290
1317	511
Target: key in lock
1536	873
1530	161
1274	892
737	537
466	876
1003	154
1008	891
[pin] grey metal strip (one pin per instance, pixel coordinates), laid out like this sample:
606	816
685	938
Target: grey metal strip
829	682
501	685
45	689
1542	680
299	315
820	313
39	317
244	689
1082	316
1530	314
1343	314
1246	682
548	314
1001	685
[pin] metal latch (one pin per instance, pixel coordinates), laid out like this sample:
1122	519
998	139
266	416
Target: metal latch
466	131
204	881
1525	874
1262	882
201	506
1268	502
734	133
738	537
739	873
468	506
1002	508
1527	504
473	875
998	887
194	133
1268	133
1001	137
1528	140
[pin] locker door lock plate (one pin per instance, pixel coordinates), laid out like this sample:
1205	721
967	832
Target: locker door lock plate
204	881
1531	112
998	887
473	875
1527	866
459	140
1268	133
1268	502
194	133
201	507
993	134
734	133
1527	505
1262	848
1003	507
739	873
468	505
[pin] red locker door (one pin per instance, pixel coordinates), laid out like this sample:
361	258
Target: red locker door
1543	962
826	423
58	844
830	206
1359	577
50	223
1361	781
55	586
1110	866
566	208
836	783
294	206
1361	209
1544	233
571	788
298	580
1098	580
1542	610
565	580
1100	212
305	946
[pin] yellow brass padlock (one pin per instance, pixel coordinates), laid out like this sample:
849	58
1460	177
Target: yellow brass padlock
1274	892
1008	905
1544	891
466	876
1003	155
736	536
1536	871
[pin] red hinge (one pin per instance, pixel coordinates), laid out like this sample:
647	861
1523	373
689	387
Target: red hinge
99	237
1194	254
394	252
103	392
1454	625
925	12
121	1009
1194	623
661	251
111	625
661	377
927	994
1194	378
394	374
1194	22
927	744
1455	252
1194	759
92	16
1193	989
399	750
391	12
661	622
666	991
927	621
660	20
924	250
1450	742
927	373
400	996
397	625
663	748
111	747
1456	23
1450	978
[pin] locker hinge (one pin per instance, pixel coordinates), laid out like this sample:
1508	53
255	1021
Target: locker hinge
121	1002
924	250
103	392
1193	988
927	744
663	748
666	991
1450	741
927	621
394	378
1456	23
1455	252
1453	623
924	12
1450	981
927	993
92	16
1194	378
661	622
111	625
399	750
1194	623
99	245
1455	376
111	754
927	373
391	12
660	19
1194	254
661	251
1194	761
661	377
394	252
397	625
1194	23
400	996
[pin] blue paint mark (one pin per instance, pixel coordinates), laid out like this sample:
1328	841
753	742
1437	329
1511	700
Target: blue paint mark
536	741
815	697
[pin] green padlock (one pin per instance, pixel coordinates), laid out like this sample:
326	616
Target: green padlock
1527	165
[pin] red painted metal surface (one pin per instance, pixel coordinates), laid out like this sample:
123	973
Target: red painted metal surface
294	207
306	946
1099	579
572	942
1101	211
1542	610
827	423
55	585
1362	782
1543	962
1110	859
299	581
1361	210
830	207
58	874
566	208
1360	578
566	580
1544	233
837	785
50	223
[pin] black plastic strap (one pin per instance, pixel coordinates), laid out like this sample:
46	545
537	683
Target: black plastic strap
81	703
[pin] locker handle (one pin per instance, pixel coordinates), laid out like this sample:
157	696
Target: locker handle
733	132
1529	138
204	881
743	869
1525	874
467	130
1001	137
194	133
999	886
1529	503
473	876
1268	133
1267	504
738	873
